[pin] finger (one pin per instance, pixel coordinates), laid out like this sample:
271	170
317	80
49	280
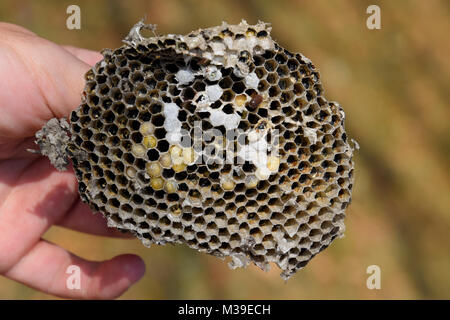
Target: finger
61	81
87	56
36	199
15	28
46	268
81	218
49	82
18	149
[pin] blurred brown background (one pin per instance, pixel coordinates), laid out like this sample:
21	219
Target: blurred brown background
393	85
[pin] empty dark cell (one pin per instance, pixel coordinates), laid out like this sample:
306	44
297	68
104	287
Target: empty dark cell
174	91
126	144
318	89
168	173
137	199
86	134
227	95
73	117
248	167
206	125
268	54
198	86
137	77
110	69
131	53
162	86
253	118
183	187
100	137
116	94
303	178
153	154
151	83
258	60
226	82
188	93
147	191
280	58
275	105
309	95
262	112
158	120
173	197
262	34
284	83
114	203
140	164
182	115
282	71
322	115
228	195
93	157
124	73
243	125
135	125
260	73
118	108
292	64
204	182
96	112
100	79
298	89
181	175
155	108
214	176
85	109
172	68
189	107
306	82
124	133
88	145
130	98
128	157
159	75
273	91
228	109
238	87
163	146
82	187
270	65
132	113
122	180
288	111
160	133
194	64
144	225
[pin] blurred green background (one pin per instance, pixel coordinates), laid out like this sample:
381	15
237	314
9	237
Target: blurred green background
393	84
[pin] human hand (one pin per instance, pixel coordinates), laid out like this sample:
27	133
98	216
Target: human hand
41	80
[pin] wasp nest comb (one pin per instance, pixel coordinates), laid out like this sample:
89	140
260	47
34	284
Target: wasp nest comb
219	139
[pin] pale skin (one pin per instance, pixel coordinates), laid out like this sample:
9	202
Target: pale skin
40	80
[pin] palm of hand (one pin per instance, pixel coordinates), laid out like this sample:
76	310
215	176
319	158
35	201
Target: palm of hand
41	80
